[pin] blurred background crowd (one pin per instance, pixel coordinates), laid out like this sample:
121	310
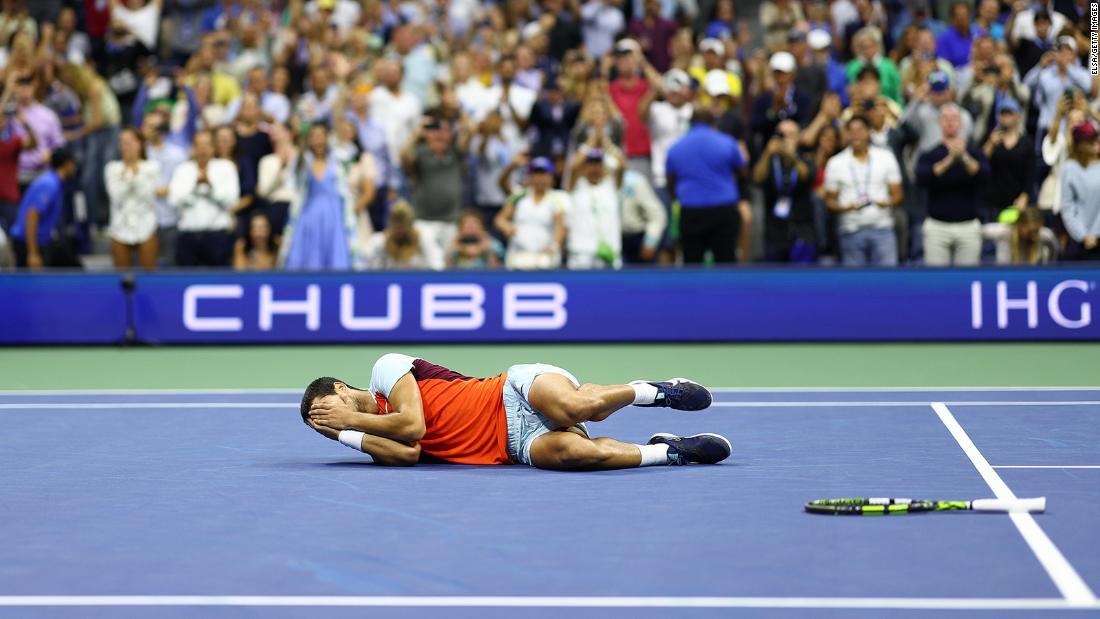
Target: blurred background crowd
538	134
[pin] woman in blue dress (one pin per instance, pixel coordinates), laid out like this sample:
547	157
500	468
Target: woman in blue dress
321	228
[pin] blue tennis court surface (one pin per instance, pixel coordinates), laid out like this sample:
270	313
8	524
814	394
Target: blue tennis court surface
219	504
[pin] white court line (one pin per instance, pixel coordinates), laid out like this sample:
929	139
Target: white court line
547	602
713	389
764	404
1047	466
897	404
1066	578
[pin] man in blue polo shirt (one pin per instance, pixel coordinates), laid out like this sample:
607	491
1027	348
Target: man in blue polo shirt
700	172
36	233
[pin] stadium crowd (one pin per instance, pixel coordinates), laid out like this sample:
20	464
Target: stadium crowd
536	134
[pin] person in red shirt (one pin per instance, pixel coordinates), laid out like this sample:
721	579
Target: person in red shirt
12	142
635	79
532	414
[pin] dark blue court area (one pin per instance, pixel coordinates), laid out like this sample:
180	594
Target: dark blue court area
223	504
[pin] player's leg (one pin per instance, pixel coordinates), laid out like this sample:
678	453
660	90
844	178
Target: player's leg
568	451
561	400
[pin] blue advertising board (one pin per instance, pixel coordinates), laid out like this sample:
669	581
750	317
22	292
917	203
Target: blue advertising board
667	305
62	309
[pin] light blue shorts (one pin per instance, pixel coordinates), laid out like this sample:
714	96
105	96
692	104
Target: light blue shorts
525	424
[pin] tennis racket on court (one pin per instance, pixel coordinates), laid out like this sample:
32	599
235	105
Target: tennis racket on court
885	507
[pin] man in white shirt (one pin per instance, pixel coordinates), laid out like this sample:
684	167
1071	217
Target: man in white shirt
668	119
513	101
316	104
395	109
204	190
594	219
863	184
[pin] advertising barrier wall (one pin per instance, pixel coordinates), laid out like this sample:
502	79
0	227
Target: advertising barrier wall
666	305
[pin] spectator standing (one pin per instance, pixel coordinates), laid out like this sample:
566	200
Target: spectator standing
396	110
1011	155
168	156
644	218
1081	193
654	33
601	20
552	119
594	224
99	134
274	107
632	89
204	190
373	141
277	182
36	235
43	123
1056	76
995	84
491	155
401	246
14	139
668	119
435	166
952	172
867	45
1055	149
781	103
533	220
862	184
132	184
787	180
955	42
701	171
321	232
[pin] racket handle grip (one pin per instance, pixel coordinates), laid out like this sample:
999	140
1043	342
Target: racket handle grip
1009	505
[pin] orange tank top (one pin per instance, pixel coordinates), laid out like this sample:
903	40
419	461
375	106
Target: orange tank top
463	417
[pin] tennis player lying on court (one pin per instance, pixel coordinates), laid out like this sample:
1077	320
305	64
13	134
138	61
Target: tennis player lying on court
532	414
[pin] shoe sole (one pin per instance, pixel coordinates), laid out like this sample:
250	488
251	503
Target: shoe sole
666	435
710	396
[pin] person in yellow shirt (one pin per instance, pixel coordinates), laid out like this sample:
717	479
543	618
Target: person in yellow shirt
714	58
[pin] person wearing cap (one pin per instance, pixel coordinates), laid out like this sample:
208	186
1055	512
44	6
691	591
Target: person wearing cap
867	46
921	62
668	118
701	171
634	88
1011	155
809	77
782	102
862	185
533	220
1057	75
952	173
593	222
920	122
821	52
654	32
601	20
713	52
1081	193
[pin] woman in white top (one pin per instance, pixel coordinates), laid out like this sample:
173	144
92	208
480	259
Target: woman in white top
534	221
1056	147
277	180
132	191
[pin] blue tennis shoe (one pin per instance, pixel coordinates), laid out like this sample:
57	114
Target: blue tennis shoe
703	448
681	394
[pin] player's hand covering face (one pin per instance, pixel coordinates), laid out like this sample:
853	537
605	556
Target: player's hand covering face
326	431
333	412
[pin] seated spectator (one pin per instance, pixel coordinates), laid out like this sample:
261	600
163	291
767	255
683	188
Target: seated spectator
787	179
862	184
952	172
533	221
400	246
594	237
473	247
35	237
644	219
1081	194
132	185
204	190
321	233
259	249
1026	241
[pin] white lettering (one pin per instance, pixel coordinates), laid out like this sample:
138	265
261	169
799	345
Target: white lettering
191	295
1029	303
310	307
976	305
1055	308
438	299
546	301
351	322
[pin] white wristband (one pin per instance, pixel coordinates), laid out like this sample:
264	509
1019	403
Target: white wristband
352	438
